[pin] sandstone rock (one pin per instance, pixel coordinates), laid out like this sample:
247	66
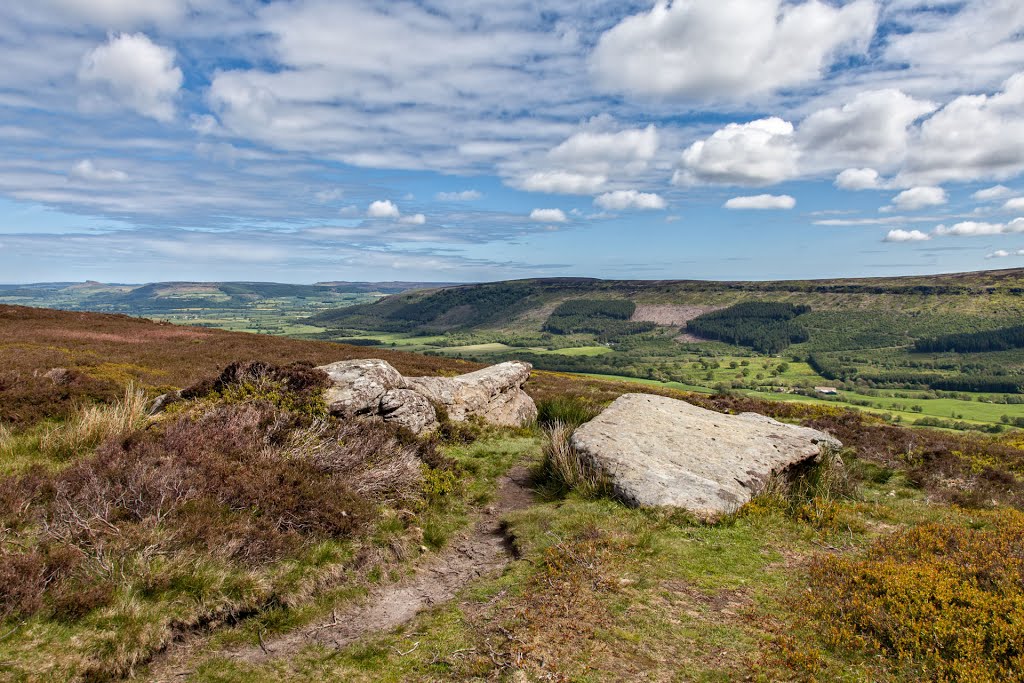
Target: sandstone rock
406	408
661	451
60	376
495	394
358	385
161	402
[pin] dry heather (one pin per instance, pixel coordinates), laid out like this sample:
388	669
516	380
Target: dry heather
213	506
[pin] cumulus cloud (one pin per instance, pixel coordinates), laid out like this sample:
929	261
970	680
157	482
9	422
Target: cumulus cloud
973	137
460	196
383	208
919	198
548	216
976	229
760	152
1015	204
87	170
413	219
989	193
131	71
761	201
871	130
620	200
900	235
562	182
729	49
859	179
599	152
1003	253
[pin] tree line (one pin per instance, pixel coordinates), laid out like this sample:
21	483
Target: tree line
974	342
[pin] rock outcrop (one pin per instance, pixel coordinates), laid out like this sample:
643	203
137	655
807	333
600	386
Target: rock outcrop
371	387
358	385
495	394
661	451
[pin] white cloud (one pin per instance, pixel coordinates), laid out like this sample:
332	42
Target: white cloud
1003	253
413	219
973	137
729	49
870	130
131	71
87	170
619	200
919	197
976	229
859	179
383	208
324	196
1015	204
990	193
350	211
761	201
596	152
460	196
107	13
561	182
760	152
900	235
548	216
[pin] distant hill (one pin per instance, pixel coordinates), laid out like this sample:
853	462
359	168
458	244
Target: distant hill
507	304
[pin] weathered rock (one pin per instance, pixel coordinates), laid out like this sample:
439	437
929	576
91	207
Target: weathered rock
495	394
60	376
406	408
358	385
661	451
161	402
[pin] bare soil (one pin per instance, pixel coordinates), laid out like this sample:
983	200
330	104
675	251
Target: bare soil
485	549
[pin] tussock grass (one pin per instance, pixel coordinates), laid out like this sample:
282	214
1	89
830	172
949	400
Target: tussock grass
92	425
814	493
571	410
562	469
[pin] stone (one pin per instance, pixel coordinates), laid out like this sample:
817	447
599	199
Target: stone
358	385
60	376
161	402
494	394
405	408
659	451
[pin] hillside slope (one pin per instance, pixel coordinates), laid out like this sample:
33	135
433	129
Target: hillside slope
496	305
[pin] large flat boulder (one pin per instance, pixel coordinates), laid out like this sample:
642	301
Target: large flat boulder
495	394
660	451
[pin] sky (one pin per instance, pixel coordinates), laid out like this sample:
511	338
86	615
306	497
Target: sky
462	141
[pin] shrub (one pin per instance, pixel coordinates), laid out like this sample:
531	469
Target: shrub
945	601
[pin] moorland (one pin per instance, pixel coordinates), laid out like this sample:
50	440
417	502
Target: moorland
901	348
213	542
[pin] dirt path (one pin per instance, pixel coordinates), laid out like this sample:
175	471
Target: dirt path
483	550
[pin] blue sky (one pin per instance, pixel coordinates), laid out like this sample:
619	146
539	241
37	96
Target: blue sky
310	140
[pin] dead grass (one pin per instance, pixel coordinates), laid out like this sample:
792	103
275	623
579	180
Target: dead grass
92	425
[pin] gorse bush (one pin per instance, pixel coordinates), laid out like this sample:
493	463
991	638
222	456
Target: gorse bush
941	601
